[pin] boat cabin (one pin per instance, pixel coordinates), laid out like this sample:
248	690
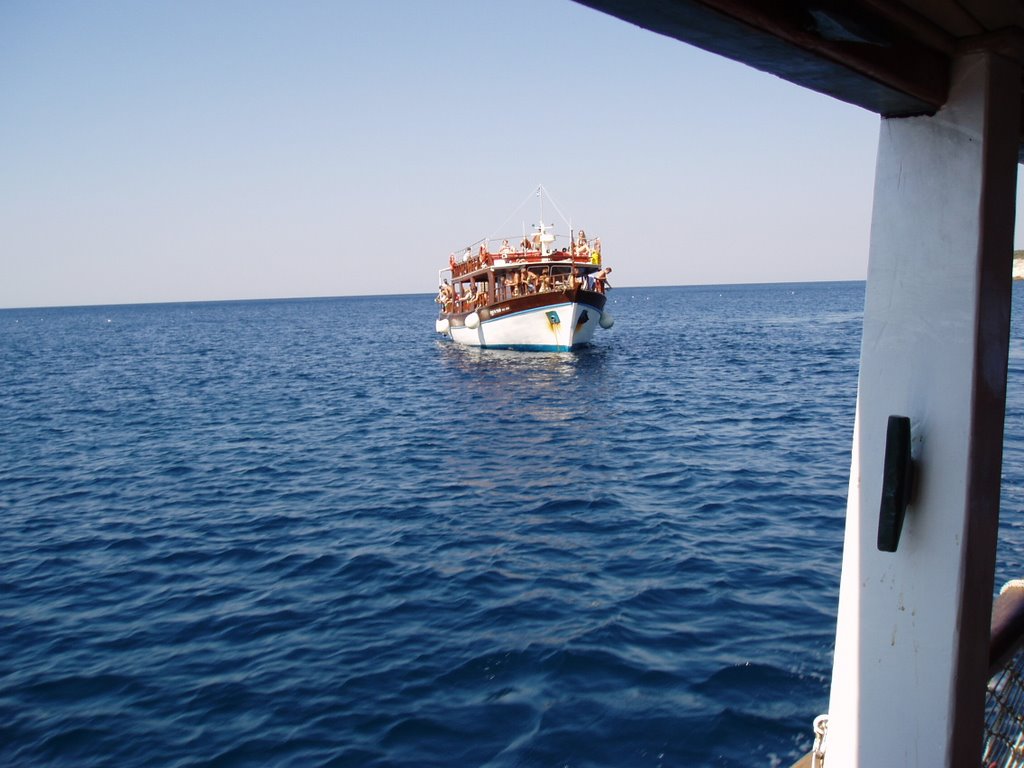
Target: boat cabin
484	277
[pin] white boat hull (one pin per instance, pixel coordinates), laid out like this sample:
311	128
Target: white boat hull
551	328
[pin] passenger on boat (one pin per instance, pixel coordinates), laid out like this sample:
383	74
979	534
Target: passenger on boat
601	280
529	281
506	249
444	296
512	283
468	298
544	282
582	250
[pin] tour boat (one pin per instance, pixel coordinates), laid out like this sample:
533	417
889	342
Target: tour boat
535	295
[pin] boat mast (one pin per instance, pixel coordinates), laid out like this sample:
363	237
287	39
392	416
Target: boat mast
542	228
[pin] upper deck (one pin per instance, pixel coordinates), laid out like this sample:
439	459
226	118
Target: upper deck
587	253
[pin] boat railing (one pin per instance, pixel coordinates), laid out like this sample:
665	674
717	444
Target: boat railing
484	259
505	292
1004	702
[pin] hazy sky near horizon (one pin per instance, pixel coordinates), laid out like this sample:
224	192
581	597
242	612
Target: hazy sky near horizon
180	151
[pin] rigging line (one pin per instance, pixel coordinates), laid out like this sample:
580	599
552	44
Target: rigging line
518	208
555	206
471	246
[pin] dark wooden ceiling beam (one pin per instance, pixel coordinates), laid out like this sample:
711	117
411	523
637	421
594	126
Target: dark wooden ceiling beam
853	52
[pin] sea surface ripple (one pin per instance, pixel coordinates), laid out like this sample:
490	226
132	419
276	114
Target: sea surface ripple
308	532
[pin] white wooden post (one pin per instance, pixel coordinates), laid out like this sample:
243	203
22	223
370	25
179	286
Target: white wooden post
912	634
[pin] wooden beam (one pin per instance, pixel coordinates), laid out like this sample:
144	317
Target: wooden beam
853	52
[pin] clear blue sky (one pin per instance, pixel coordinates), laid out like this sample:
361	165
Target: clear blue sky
174	151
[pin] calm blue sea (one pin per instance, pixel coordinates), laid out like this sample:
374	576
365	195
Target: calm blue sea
309	532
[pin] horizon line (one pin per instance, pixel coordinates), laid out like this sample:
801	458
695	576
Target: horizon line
387	295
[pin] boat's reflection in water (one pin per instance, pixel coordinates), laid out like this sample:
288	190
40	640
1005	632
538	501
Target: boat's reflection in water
510	384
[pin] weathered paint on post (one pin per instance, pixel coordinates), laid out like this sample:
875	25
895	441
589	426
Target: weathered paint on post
911	639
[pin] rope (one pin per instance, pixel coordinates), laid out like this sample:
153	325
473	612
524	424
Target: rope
555	206
518	208
541	189
820	733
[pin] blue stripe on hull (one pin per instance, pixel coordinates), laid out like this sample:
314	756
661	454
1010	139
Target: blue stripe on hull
534	347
